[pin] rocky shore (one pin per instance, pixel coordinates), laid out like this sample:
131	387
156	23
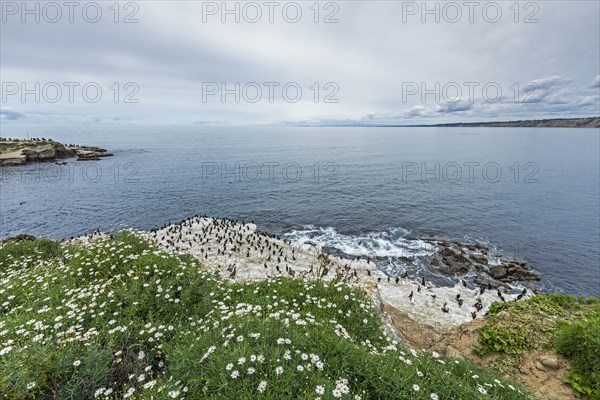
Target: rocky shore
417	311
19	152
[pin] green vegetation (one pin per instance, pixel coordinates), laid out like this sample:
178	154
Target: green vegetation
119	318
566	324
580	342
44	248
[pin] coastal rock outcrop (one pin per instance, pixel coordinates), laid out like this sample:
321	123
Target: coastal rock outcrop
19	152
456	259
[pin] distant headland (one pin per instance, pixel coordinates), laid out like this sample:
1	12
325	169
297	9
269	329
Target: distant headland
23	151
593	122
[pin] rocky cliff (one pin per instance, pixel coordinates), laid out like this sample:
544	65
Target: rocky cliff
19	152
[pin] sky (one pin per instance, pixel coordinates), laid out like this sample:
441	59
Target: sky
304	62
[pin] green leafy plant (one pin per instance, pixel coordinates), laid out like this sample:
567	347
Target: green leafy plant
580	343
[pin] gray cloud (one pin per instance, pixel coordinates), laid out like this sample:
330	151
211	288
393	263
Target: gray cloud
9	114
453	107
369	54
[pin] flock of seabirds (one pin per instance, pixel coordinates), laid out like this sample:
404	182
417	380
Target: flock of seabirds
238	252
25	140
36	139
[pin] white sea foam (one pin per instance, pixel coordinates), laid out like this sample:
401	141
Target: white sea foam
390	243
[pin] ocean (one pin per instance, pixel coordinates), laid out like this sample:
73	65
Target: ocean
528	193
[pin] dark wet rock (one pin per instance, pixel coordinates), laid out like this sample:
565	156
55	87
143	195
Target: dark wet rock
461	258
405	260
19	238
498	271
455	259
454	268
486	281
480	259
515	271
447	252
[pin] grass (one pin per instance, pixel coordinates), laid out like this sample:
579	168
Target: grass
566	324
121	319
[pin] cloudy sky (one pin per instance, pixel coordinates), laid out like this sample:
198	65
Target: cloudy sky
342	62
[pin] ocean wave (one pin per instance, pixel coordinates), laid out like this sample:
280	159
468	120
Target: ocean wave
391	243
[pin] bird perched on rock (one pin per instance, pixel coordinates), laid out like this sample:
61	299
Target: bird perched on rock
519	297
445	307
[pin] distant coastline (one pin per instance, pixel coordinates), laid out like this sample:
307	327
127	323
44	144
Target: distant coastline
591	122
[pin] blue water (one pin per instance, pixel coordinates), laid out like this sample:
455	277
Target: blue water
355	183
